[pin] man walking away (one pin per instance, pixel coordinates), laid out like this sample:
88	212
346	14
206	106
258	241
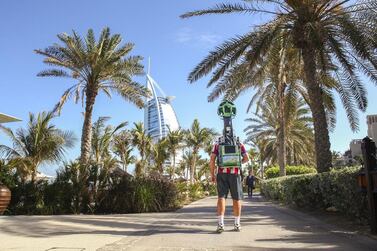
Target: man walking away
250	183
228	178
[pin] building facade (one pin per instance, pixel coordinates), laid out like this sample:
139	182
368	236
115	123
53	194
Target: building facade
355	147
159	115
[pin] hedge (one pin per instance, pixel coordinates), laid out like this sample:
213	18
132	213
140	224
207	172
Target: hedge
124	194
273	172
337	188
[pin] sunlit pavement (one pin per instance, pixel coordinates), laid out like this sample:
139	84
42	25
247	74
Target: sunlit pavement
265	226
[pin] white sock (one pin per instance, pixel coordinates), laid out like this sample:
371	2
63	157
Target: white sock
220	219
237	220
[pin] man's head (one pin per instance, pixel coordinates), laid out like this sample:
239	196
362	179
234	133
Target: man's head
251	172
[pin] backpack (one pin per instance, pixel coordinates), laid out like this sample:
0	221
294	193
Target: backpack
230	156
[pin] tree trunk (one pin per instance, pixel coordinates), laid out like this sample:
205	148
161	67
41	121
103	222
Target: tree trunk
193	168
321	132
281	115
173	165
86	138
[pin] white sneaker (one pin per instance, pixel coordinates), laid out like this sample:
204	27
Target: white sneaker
237	227
220	228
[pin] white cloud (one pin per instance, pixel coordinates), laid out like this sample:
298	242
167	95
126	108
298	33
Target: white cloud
184	35
209	38
189	36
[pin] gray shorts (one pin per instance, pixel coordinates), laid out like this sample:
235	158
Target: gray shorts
232	182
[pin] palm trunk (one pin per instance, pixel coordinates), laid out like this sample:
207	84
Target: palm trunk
173	165
321	132
193	168
281	116
192	172
281	147
294	157
86	138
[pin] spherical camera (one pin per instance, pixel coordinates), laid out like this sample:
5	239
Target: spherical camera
227	109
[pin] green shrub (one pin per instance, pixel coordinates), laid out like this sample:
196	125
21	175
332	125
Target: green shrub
273	172
121	194
337	188
154	195
7	175
28	198
190	192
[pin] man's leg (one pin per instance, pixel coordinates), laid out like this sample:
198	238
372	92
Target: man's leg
220	214
222	191
236	208
237	195
237	214
221	210
220	206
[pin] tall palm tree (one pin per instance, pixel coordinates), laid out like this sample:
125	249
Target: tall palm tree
95	66
198	138
143	142
327	37
40	143
174	143
264	131
122	147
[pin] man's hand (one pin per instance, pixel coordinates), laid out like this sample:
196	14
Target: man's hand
213	178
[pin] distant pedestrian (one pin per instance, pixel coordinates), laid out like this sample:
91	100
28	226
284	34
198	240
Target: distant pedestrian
250	179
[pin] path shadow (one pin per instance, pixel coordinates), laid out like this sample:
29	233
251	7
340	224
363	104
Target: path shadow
196	220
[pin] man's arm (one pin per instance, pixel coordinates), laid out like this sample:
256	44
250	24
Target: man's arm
245	158
212	167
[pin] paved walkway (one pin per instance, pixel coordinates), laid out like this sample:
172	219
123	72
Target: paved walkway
265	227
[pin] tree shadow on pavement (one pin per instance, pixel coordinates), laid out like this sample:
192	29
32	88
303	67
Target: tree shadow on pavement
265	227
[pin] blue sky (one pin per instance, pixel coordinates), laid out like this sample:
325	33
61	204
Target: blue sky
174	45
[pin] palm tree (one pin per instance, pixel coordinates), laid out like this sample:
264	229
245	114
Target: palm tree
40	143
95	66
102	162
366	18
198	138
327	37
204	172
143	142
77	175
102	138
160	154
264	130
122	147
187	163
174	143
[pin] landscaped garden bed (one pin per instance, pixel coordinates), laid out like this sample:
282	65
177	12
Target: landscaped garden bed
336	191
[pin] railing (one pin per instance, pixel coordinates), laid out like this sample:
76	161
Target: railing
368	179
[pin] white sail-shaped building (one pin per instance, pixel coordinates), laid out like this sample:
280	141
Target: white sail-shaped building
159	115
